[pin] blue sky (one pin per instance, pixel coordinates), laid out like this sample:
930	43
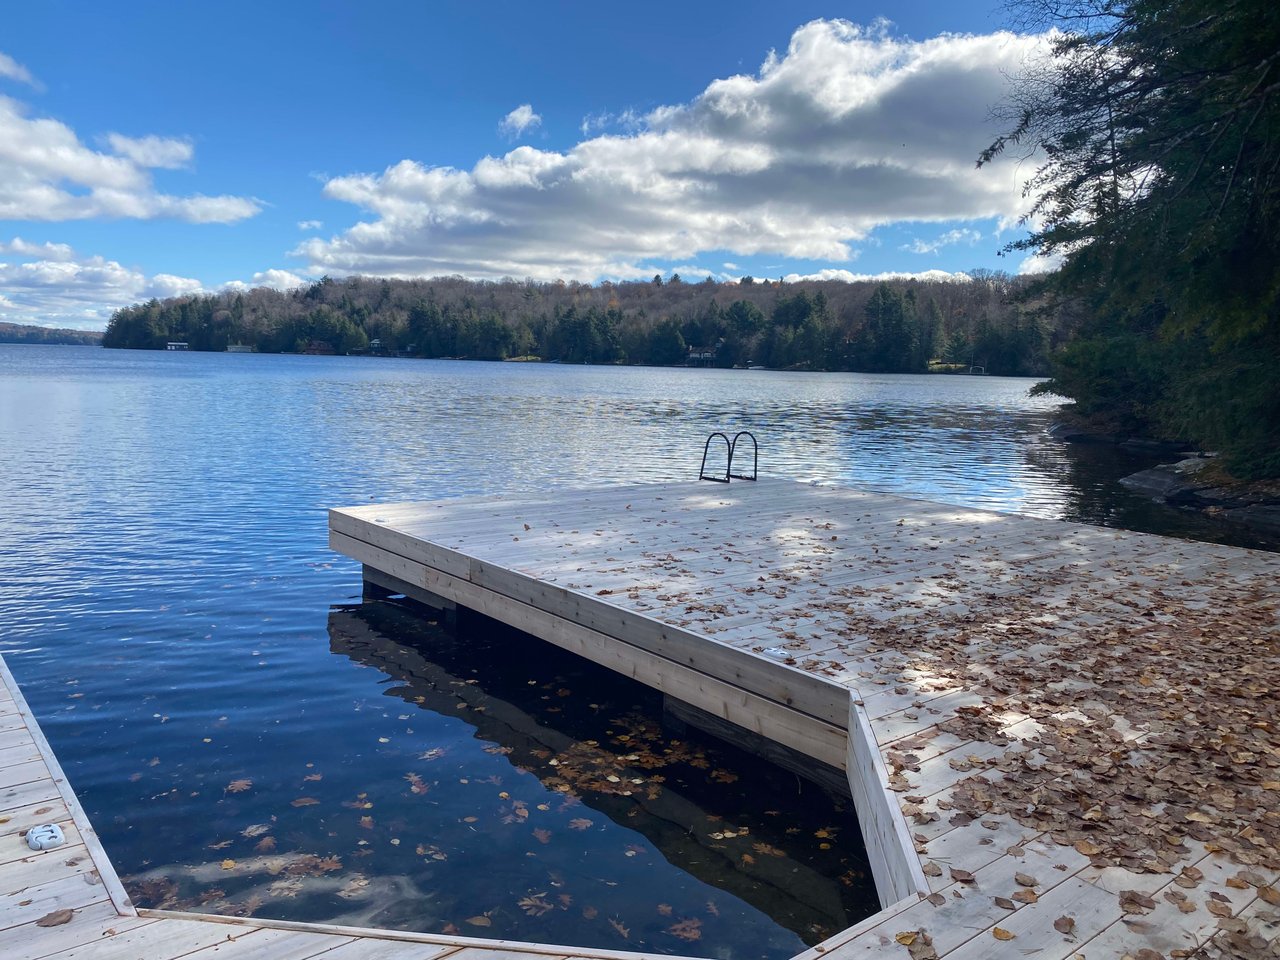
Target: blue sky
157	148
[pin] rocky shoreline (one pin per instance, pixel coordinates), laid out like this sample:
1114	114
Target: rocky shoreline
1194	481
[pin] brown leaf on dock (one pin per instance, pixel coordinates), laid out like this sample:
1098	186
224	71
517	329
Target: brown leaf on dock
961	876
1000	933
1064	925
55	919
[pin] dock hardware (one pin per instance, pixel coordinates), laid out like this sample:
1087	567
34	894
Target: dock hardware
732	447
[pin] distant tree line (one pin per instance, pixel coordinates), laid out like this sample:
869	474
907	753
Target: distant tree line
24	333
894	327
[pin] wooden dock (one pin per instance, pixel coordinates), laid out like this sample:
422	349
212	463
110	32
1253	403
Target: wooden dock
1061	740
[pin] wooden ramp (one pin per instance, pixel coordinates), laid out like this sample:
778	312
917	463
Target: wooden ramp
1062	740
68	903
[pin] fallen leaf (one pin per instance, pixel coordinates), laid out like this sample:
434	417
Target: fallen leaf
931	869
1219	909
620	927
961	876
936	899
1000	933
228	864
690	929
1026	896
580	823
304	802
1064	924
55	919
1004	903
1270	894
480	921
543	836
907	937
1023	880
536	904
238	786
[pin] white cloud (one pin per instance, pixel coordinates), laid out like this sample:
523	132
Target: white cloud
950	238
50	285
12	69
46	173
849	130
44	251
1035	263
278	279
848	276
310	224
151	151
522	118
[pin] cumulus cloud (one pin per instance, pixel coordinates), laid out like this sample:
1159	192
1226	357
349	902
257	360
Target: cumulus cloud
277	279
12	69
848	276
522	118
151	151
1035	263
848	130
310	224
948	239
50	285
47	173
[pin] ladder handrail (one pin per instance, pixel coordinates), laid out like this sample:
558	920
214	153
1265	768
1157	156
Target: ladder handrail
728	461
731	448
755	456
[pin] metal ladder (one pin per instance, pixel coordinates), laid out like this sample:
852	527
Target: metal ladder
731	448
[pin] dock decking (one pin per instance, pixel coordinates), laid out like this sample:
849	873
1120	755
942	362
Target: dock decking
1062	740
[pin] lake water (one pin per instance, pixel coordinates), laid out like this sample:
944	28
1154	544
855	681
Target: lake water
248	738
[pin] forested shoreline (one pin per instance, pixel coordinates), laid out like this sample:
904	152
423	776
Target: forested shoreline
900	326
26	333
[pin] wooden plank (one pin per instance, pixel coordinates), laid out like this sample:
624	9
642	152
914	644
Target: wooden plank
156	941
890	849
87	835
367	948
39	869
412	591
269	944
388	937
15	849
32	903
90	926
26	771
26	794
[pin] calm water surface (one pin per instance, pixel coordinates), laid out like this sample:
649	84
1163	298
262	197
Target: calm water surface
249	738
